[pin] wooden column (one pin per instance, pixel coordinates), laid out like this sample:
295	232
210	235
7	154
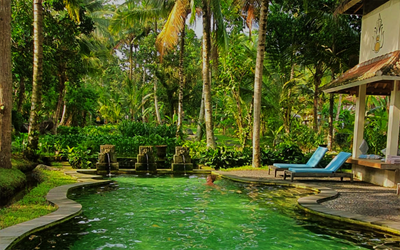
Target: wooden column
359	120
392	143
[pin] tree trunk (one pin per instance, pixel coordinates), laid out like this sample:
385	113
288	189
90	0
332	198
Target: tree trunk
143	101
64	115
156	103
206	74
199	131
21	94
247	132
181	82
317	83
330	132
239	120
130	60
258	83
36	101
5	84
339	107
331	102
288	113
214	52
62	78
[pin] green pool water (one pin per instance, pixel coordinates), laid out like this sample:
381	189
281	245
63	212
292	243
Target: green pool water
182	212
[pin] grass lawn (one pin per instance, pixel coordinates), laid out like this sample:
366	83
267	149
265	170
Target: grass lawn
34	204
14	178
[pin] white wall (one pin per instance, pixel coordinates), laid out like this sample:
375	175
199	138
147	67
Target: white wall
389	35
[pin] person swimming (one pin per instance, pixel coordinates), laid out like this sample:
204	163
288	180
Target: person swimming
210	179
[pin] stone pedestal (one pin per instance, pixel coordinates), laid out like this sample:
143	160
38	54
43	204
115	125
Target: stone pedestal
107	162
182	162
145	160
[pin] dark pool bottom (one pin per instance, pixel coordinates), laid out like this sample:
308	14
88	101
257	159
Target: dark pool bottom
181	212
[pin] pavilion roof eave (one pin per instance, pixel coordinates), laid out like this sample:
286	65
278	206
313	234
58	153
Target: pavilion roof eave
339	89
346	5
378	73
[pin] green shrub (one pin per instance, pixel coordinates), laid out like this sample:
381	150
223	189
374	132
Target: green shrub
19	143
64	130
283	153
91	137
221	157
196	148
100	130
80	157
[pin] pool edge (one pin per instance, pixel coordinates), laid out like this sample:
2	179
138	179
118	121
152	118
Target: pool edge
67	209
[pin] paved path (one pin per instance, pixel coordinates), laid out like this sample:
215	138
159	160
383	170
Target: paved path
356	202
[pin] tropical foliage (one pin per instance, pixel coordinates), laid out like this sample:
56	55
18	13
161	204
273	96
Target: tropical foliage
104	80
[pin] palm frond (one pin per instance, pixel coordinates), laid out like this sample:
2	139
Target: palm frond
73	9
250	17
193	10
221	35
133	17
169	35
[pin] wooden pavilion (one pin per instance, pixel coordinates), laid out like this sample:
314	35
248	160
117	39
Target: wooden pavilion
378	73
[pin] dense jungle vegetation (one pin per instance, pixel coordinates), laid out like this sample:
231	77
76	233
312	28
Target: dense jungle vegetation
92	72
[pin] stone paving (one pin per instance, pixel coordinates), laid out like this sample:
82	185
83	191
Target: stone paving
354	202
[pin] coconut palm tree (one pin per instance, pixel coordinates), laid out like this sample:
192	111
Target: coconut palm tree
258	82
131	22
168	38
36	100
5	84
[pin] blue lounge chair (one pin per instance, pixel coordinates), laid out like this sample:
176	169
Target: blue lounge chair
328	171
312	162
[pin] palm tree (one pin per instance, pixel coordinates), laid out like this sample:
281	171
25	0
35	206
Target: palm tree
258	82
131	14
168	38
5	84
125	24
33	137
36	100
181	84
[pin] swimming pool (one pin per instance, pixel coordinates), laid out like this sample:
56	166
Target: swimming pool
180	212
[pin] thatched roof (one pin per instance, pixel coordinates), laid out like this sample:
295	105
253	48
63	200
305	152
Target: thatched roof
378	73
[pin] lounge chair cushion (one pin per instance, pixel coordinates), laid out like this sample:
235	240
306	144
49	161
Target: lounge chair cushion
312	162
288	165
332	167
317	156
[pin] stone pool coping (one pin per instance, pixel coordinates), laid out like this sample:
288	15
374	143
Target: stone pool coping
67	208
311	204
